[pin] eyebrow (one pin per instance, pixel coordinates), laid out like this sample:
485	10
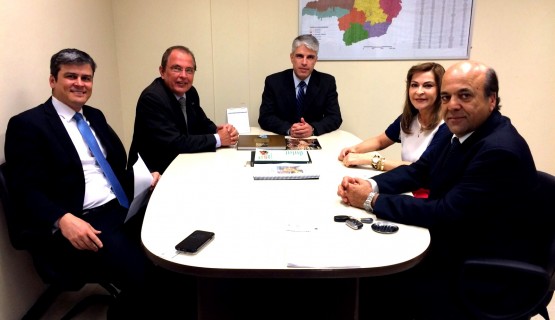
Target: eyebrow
425	82
65	74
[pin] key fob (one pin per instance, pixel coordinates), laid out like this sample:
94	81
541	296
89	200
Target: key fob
354	224
366	220
385	227
341	218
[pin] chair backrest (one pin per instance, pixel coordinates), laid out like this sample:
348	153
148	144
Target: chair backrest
546	201
12	220
511	289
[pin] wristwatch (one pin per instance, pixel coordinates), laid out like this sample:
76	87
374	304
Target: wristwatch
368	202
376	161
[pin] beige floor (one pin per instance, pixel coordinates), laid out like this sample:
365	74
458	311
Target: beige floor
98	312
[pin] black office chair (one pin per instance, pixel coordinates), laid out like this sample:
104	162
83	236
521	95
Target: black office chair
57	283
508	289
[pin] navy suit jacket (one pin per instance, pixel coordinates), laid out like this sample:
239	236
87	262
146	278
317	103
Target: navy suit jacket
479	195
278	110
46	174
160	132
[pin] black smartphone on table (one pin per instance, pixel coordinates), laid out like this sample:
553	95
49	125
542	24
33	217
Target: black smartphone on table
195	241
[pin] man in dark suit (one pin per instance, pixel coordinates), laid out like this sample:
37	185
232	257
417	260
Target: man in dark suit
169	119
317	112
479	186
72	218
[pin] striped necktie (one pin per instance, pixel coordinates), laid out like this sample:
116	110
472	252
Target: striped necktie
300	98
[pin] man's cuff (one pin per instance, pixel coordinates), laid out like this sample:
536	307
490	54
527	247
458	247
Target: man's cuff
218	141
374	185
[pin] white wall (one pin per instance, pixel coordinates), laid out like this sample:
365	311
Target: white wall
237	44
31	31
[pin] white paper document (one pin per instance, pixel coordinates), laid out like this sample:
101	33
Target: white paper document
310	247
143	179
239	118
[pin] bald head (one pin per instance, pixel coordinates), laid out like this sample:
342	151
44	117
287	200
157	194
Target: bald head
469	94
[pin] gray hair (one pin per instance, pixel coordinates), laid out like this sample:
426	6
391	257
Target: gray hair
308	40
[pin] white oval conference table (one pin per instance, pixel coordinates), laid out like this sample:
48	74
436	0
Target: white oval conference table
270	228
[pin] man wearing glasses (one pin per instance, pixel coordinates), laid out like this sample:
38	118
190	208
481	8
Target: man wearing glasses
169	119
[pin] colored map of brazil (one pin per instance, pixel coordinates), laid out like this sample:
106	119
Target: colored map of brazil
358	19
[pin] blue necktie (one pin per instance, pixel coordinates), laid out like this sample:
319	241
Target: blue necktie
300	98
97	153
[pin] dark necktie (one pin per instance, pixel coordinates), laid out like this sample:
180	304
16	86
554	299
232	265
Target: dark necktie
455	145
183	104
100	159
453	149
300	98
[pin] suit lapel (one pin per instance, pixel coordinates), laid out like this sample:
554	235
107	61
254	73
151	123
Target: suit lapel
288	83
312	90
59	131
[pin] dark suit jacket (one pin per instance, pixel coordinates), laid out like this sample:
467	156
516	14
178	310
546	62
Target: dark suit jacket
478	199
45	170
160	132
278	110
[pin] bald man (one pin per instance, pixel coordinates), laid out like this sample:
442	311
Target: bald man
479	180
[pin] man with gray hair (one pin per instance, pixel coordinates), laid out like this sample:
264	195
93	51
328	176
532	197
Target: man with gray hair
300	102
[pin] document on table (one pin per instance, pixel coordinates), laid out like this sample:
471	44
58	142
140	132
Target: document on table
310	247
143	179
239	118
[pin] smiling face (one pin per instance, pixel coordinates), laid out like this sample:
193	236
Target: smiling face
423	90
73	85
179	72
464	104
303	60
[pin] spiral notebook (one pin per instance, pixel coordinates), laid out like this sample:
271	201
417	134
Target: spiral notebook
262	156
285	171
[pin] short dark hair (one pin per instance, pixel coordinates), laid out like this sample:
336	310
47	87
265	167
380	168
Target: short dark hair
491	87
69	56
169	50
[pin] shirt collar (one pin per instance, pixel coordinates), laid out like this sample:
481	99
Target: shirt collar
463	138
178	97
63	110
297	80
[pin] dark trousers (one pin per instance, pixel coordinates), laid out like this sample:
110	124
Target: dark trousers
146	290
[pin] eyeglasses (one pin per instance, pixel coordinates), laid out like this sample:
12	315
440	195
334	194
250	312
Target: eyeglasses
179	70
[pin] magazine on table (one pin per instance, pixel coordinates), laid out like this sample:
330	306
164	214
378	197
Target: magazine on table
302	144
